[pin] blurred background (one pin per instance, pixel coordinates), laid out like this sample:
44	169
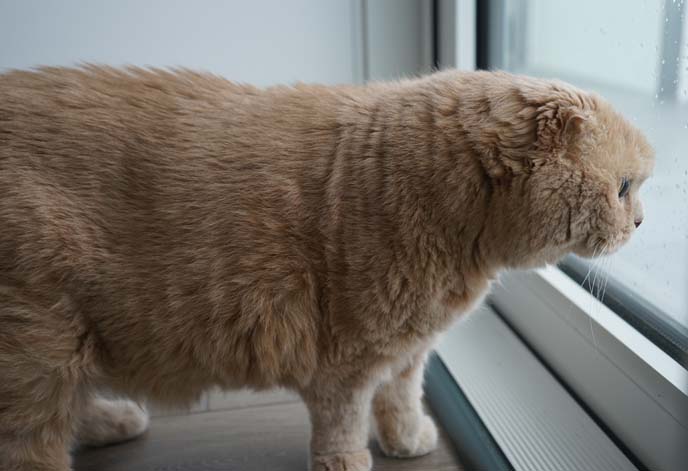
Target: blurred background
261	42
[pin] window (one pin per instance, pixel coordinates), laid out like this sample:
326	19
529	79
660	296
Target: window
633	53
625	360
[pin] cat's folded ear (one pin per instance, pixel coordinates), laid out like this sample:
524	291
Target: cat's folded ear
540	133
529	126
558	123
543	130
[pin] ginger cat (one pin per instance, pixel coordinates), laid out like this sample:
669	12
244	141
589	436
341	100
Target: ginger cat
164	232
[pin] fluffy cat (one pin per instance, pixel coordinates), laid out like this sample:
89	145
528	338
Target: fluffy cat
164	232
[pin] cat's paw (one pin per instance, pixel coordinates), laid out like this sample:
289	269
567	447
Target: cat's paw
409	443
352	461
111	421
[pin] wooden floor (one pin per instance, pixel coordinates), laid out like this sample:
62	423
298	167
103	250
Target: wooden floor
238	431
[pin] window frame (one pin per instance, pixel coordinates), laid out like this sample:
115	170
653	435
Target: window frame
648	319
497	51
610	367
624	348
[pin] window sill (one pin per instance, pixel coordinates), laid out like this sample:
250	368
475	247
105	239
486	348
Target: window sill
530	416
630	385
593	319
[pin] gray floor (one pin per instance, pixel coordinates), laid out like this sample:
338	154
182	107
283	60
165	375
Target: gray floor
237	431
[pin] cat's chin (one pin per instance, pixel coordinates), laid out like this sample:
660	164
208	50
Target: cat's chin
599	249
540	261
586	252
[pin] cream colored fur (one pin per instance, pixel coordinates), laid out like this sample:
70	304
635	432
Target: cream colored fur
162	233
105	421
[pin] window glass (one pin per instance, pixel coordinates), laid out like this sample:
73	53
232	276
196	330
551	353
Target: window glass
635	54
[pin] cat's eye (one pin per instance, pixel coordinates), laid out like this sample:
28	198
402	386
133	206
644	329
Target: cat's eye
625	187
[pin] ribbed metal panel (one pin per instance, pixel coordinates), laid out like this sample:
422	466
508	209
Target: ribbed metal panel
538	425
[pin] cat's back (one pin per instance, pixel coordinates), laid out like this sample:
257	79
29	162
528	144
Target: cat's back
61	109
77	110
71	126
123	165
76	129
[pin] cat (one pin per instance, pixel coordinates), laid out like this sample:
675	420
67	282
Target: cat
163	232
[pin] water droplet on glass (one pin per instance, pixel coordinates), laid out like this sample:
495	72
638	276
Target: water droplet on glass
663	62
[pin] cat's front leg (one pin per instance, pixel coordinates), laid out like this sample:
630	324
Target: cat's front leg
340	422
403	429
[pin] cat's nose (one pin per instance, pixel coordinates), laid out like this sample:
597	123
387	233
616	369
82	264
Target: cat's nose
638	222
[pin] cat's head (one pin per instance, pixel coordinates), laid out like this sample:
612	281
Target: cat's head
616	160
566	170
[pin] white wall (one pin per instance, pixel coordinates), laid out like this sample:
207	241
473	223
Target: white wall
398	38
258	41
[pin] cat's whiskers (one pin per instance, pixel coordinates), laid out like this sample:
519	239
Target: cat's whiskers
597	270
608	270
599	288
590	267
603	274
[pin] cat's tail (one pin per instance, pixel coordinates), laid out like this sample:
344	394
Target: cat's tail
108	421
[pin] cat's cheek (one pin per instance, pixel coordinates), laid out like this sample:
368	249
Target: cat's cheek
608	242
621	239
620	229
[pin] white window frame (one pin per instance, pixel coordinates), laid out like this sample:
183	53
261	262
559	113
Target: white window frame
637	390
